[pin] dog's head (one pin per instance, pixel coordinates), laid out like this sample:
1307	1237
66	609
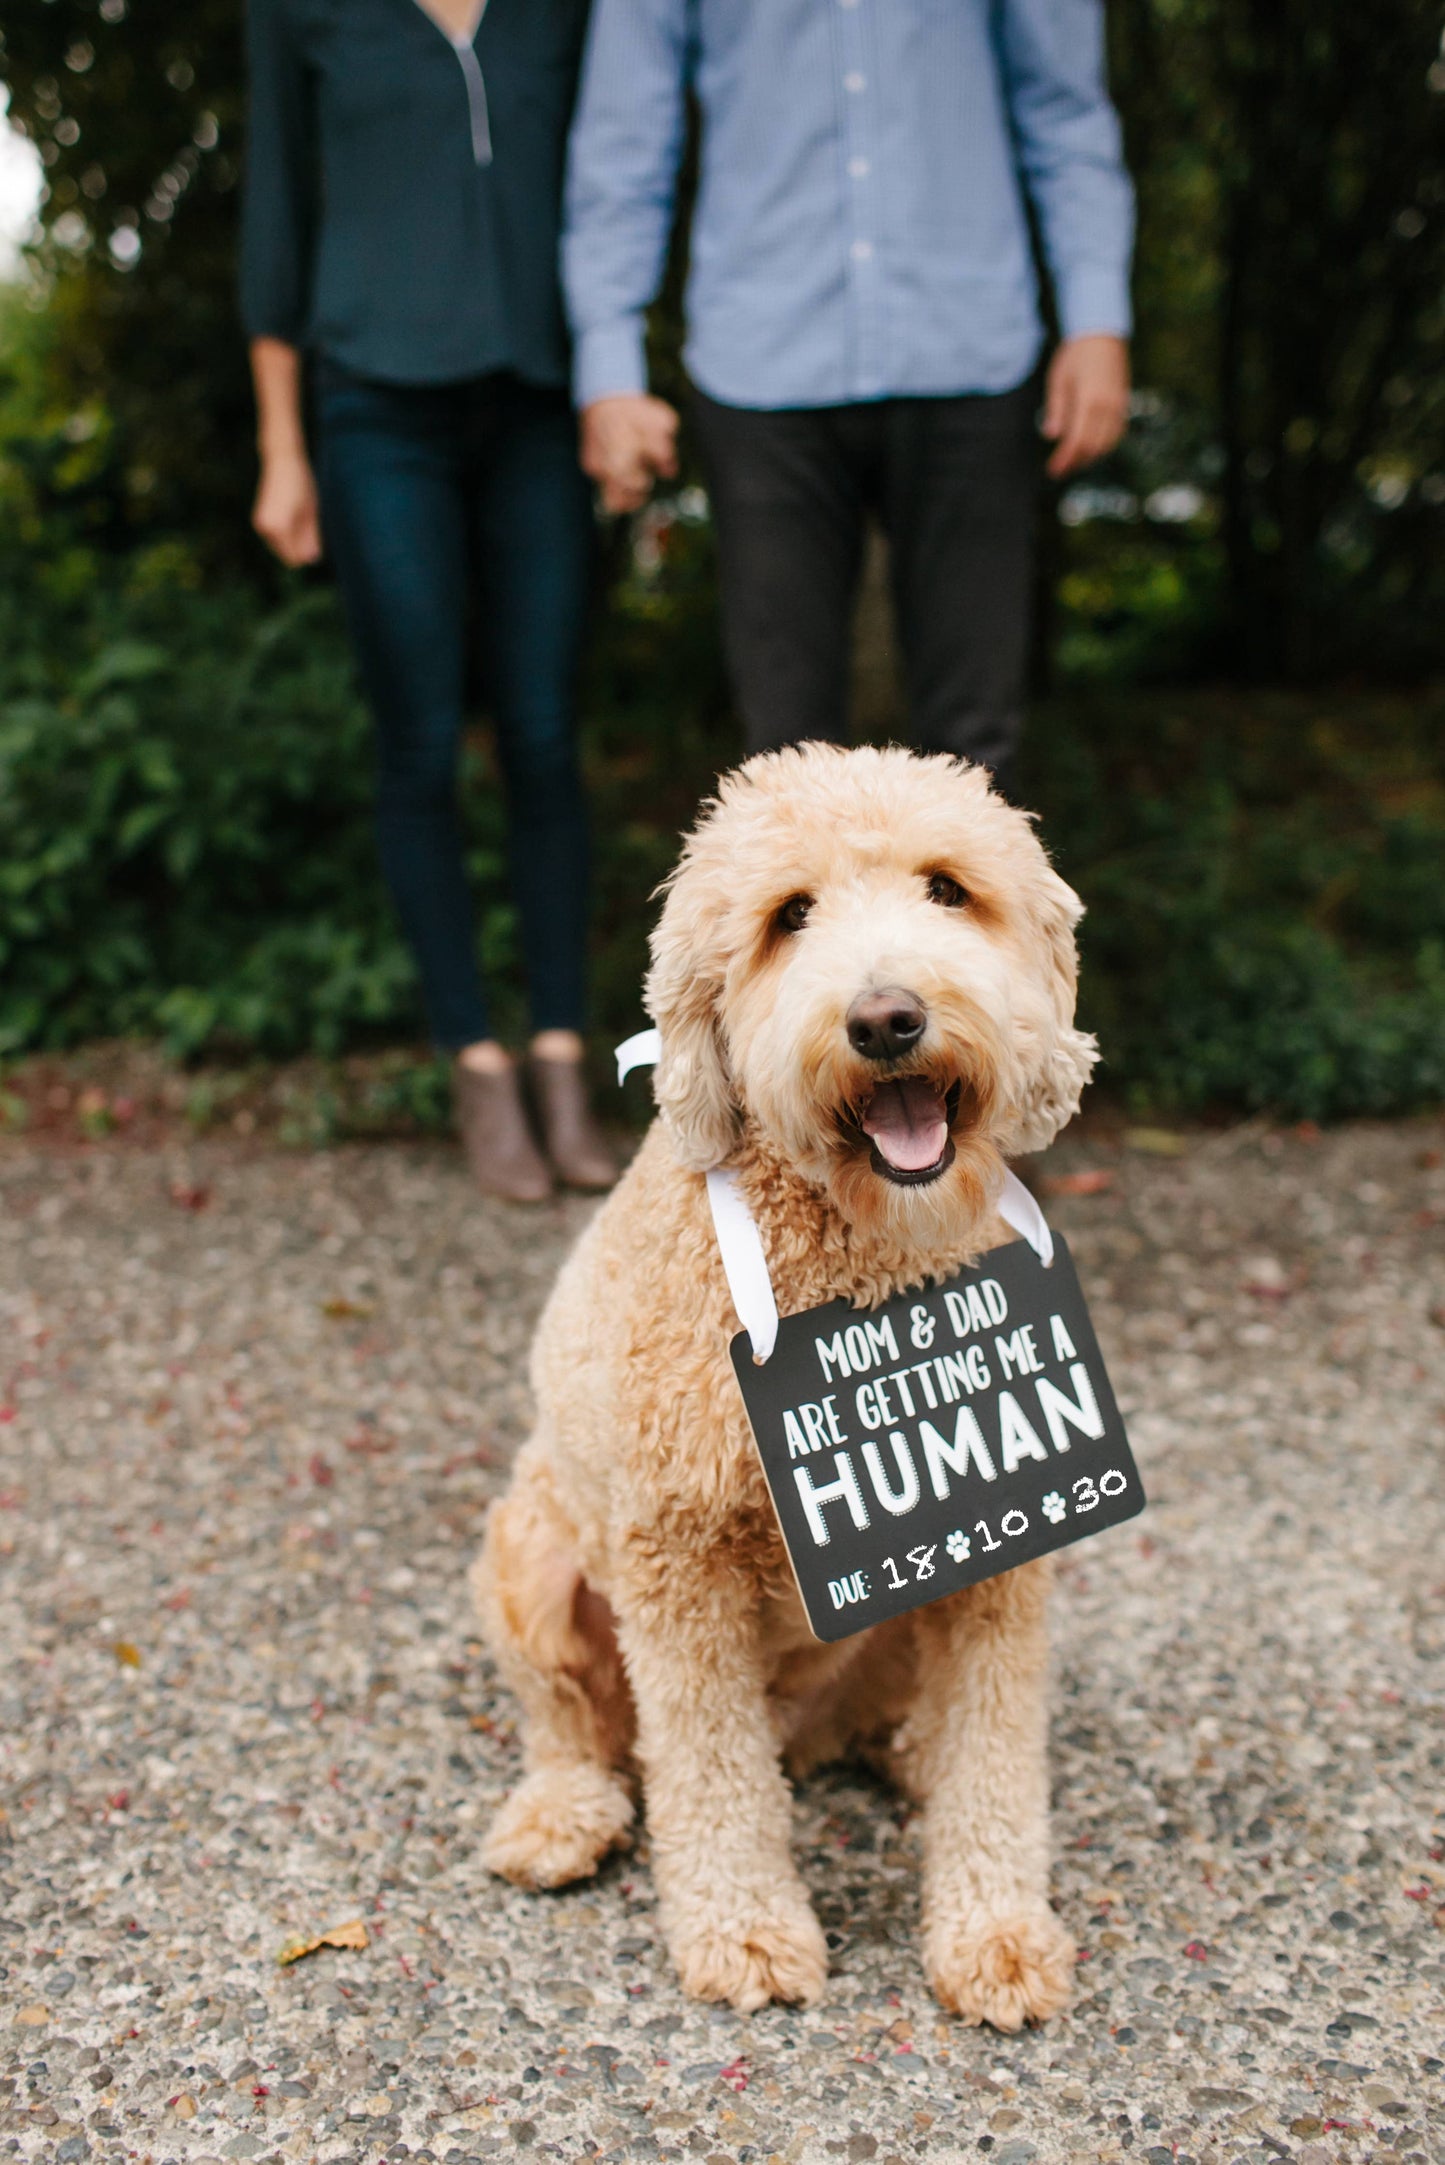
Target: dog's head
867	954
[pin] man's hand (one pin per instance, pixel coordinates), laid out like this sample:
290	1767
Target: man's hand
1086	401
286	515
628	443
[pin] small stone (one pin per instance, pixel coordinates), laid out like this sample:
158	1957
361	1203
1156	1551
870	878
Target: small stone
32	2017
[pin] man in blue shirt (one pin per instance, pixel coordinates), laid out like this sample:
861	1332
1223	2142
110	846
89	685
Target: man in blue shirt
862	318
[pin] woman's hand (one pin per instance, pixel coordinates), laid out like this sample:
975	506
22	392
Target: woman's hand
286	513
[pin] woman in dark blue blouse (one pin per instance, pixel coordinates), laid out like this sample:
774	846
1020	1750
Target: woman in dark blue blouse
403	194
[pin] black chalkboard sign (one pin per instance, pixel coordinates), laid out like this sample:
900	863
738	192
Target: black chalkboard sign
938	1440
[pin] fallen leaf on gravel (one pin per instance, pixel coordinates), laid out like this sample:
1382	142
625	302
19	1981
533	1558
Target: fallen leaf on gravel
126	1653
32	2017
341	1311
1157	1142
320	1471
1092	1182
185	1197
340	1935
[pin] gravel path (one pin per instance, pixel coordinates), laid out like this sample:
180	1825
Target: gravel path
253	1405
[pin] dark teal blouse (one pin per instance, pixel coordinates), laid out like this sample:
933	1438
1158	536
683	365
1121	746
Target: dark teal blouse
403	191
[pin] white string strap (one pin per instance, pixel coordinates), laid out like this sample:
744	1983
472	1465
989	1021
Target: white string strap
642	1050
1020	1210
745	1266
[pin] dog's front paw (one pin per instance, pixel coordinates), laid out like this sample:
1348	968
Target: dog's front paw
782	1956
1007	1971
558	1825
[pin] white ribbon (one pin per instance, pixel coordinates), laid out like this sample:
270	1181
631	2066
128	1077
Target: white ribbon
1019	1209
740	1244
744	1265
643	1050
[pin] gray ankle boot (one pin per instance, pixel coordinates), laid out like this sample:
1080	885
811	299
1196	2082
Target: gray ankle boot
497	1136
573	1140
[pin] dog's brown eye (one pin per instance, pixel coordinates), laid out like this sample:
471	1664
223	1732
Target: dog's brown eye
946	892
794	913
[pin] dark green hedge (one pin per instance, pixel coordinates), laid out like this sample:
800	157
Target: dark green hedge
186	850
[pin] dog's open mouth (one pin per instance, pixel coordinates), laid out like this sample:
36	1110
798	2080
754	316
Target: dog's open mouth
907	1121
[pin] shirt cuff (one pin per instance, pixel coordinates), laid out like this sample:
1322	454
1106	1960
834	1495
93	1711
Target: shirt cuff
1094	300
609	361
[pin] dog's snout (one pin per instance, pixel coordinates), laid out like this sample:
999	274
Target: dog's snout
886	1025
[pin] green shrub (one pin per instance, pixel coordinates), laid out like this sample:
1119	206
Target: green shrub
184	845
186	850
1263	874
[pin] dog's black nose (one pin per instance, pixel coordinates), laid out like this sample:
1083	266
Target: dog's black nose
886	1025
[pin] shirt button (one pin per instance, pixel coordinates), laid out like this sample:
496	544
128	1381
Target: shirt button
855	81
861	251
859	168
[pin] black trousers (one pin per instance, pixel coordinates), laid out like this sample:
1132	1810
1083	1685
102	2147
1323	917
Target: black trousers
953	482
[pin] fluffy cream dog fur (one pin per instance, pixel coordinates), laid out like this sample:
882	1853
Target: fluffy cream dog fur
633	1584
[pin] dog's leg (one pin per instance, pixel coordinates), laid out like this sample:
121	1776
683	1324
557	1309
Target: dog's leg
719	1813
977	1743
554	1645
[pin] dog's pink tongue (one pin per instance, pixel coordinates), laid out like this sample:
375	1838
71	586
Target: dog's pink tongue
907	1121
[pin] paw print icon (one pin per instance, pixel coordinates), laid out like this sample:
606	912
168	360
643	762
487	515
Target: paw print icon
1054	1507
957	1546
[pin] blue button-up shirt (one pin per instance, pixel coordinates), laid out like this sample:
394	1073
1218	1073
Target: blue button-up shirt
860	229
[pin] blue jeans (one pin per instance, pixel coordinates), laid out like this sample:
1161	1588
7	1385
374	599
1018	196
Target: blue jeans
424	486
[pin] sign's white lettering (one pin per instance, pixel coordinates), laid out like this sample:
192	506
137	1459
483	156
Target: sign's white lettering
976	1307
965	1396
843	1488
852	1352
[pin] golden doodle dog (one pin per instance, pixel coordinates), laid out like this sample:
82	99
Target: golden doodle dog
863	977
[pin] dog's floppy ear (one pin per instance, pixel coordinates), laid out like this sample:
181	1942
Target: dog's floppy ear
1065	1060
691	1082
